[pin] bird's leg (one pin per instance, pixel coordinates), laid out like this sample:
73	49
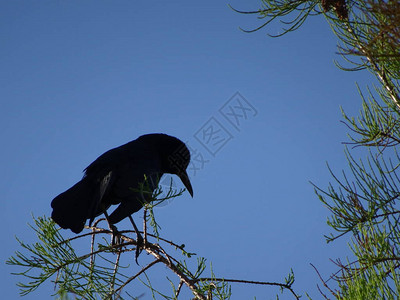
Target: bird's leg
116	237
139	241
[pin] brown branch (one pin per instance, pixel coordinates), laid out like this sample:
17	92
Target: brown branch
177	271
103	230
160	255
152	249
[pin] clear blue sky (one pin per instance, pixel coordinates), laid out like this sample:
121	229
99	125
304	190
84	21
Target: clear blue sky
81	77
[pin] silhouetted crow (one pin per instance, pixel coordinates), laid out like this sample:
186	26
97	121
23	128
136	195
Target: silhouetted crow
115	178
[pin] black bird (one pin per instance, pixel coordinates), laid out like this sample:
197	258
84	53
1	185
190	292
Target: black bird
115	177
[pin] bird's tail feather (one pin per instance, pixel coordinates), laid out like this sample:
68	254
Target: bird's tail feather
72	208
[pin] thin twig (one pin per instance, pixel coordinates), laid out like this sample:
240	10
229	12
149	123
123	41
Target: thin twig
116	265
144	226
323	282
178	290
138	274
92	257
282	285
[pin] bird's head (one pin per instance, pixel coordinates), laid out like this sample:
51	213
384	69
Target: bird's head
174	155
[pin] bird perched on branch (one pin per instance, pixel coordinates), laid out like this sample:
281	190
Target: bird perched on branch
116	177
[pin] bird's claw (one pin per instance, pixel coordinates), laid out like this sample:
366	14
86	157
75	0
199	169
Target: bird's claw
116	236
139	247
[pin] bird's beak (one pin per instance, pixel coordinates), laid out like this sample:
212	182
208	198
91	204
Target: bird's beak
186	182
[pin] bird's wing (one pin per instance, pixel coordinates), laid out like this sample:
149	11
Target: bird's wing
102	172
101	189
